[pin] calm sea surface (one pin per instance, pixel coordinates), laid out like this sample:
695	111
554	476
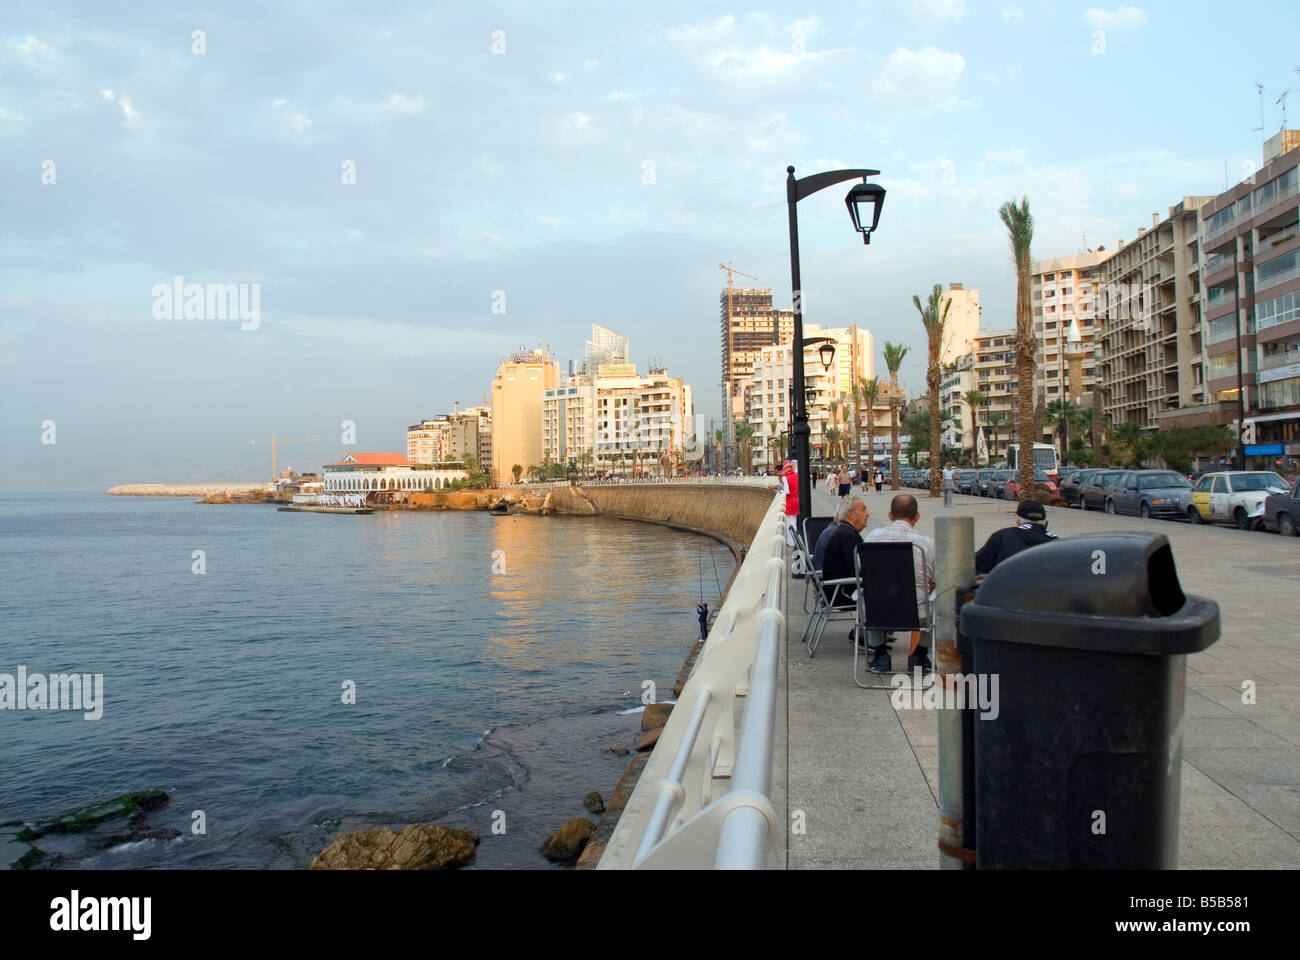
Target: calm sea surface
475	692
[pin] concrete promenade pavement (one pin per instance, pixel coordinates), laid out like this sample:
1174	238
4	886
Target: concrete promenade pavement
865	775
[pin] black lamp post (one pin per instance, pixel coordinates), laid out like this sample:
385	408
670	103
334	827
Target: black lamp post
864	198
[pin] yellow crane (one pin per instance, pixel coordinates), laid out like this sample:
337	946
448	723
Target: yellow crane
274	441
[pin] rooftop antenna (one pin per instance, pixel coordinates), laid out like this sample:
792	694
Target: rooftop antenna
1282	100
1259	87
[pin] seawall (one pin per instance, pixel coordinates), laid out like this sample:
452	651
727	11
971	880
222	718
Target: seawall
185	489
731	513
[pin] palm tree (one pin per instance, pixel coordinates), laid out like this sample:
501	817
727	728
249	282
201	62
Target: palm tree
1020	231
745	437
1126	434
517	470
1056	413
832	438
975	399
868	392
894	354
934	315
773	440
995	422
584	460
718	435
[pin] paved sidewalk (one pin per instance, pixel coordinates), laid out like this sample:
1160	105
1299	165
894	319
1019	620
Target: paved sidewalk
865	775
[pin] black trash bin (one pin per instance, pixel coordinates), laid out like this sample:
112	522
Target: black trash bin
1087	638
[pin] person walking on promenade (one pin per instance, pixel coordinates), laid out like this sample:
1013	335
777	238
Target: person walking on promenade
949	485
846	481
880	479
903	514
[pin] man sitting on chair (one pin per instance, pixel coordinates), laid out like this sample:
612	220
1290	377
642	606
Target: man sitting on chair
903	514
837	557
819	550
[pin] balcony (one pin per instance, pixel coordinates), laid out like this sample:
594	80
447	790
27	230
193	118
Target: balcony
1280	359
1282	236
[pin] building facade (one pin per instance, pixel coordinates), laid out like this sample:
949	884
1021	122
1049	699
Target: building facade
517	394
962	325
1150	313
1063	295
749	322
388	477
1251	279
995	376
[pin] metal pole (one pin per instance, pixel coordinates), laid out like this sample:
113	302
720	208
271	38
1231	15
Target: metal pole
801	428
1241	376
954	569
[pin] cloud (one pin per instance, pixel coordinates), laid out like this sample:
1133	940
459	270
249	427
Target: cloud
1012	15
549	221
400	105
925	78
300	124
1120	20
618	95
129	115
1010	156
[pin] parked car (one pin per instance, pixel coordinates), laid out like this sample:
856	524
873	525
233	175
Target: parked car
1092	495
998	482
1232	497
965	480
1282	512
1011	489
1070	486
1147	493
979	486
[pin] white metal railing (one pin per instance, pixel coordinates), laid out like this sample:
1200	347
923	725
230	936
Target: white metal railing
680	824
663	481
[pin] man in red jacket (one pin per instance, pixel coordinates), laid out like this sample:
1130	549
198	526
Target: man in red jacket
789	486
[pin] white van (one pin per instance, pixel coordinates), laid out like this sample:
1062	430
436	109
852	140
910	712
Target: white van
1045	459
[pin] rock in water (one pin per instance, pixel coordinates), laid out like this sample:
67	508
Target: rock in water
567	842
619	751
656	715
594	802
414	847
648	739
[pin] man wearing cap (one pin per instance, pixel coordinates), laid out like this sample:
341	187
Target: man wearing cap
1030	531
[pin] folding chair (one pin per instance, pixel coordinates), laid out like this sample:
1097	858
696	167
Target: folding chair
813	527
887	596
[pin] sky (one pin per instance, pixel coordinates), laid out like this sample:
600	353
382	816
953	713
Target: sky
415	190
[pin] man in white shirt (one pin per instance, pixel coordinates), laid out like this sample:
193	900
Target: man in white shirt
903	514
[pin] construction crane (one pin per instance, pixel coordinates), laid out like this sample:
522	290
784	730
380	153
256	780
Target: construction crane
730	270
274	441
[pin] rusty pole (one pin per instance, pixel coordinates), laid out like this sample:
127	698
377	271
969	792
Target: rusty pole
954	569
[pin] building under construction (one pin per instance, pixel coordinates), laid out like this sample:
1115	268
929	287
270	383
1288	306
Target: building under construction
749	323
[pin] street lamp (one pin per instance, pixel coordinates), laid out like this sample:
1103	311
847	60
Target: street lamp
861	199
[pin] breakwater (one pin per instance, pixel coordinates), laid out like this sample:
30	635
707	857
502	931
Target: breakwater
230	491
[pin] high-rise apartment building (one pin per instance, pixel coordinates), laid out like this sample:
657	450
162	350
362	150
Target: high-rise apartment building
1251	283
1063	295
1151	322
995	377
767	394
957	421
749	323
517	393
962	325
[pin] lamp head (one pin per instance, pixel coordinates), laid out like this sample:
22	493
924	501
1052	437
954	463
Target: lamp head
864	201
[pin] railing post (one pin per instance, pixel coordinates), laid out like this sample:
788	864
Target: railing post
954	569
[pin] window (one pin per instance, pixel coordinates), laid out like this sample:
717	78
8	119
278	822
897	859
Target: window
1048	276
1220	485
1222	218
1203	485
1281	309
